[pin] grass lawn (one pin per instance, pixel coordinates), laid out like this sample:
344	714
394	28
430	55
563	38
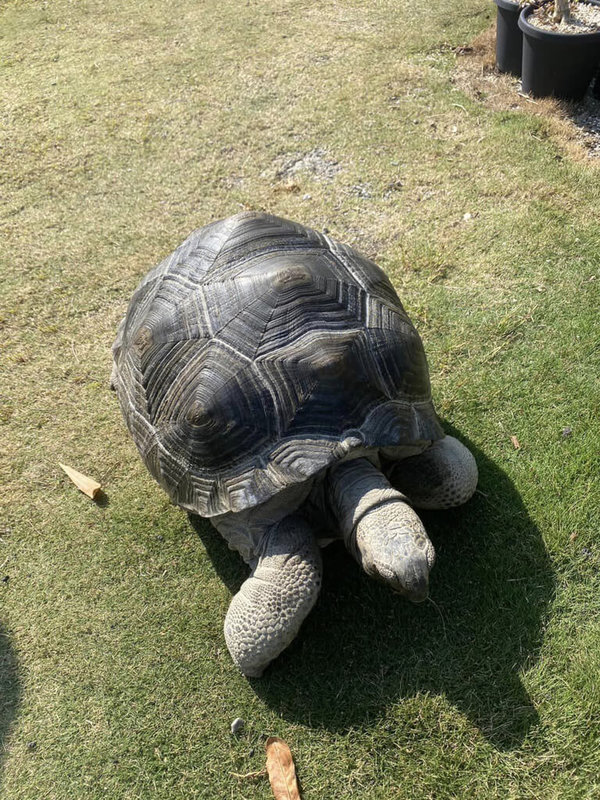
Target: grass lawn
124	126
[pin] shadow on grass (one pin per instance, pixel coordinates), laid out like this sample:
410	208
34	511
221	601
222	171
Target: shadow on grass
10	693
362	647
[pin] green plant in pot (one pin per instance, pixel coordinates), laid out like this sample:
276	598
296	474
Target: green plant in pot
561	48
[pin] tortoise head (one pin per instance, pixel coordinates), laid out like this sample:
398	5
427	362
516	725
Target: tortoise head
395	550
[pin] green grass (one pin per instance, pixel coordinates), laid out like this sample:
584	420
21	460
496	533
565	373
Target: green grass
125	126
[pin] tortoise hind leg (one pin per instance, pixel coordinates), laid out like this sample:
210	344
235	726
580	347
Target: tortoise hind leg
443	476
267	612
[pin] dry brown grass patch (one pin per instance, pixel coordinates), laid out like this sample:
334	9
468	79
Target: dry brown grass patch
477	76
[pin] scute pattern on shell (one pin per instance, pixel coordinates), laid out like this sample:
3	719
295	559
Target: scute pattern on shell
259	353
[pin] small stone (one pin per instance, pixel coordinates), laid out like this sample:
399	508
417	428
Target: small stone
566	432
394	186
237	725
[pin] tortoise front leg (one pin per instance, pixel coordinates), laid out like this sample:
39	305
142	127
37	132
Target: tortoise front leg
443	476
271	605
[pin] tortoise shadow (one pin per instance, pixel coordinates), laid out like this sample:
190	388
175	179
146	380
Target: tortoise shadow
363	647
10	693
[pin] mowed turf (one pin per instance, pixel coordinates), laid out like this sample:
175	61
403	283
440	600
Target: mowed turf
124	127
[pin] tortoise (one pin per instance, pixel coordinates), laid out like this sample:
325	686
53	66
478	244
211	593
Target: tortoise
273	383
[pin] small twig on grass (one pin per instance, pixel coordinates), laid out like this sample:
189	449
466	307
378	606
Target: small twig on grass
250	775
526	97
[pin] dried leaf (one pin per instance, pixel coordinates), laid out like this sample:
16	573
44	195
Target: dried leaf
281	770
515	442
86	485
573	536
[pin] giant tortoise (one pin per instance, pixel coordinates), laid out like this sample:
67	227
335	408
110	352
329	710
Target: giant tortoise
273	383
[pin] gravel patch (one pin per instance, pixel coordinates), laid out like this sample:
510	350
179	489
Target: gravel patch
585	18
364	190
586	118
316	162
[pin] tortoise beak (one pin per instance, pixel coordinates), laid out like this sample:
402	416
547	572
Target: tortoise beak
417	593
419	596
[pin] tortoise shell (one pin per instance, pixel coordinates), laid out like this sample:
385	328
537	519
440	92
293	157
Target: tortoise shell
259	353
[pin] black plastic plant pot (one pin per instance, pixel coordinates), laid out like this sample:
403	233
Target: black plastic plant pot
557	64
509	39
596	86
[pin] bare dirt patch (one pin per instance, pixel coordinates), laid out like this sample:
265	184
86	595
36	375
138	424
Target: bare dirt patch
574	126
316	162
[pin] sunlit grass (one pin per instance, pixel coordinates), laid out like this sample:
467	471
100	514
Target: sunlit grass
124	127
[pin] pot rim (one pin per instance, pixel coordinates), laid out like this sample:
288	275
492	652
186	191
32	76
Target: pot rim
508	5
539	33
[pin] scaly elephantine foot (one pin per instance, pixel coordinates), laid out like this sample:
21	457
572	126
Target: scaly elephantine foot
267	612
443	476
380	529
